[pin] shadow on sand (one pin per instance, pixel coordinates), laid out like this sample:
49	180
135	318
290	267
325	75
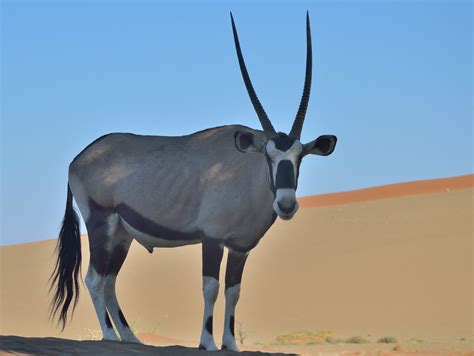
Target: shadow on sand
54	346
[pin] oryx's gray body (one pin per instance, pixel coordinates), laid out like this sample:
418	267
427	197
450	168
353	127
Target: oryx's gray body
191	187
222	187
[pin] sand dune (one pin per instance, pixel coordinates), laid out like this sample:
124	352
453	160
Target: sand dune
365	266
389	191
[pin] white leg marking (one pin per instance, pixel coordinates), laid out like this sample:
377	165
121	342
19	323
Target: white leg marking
80	196
95	284
210	290
232	295
112	222
113	307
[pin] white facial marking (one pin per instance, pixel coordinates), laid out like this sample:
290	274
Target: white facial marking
277	155
285	197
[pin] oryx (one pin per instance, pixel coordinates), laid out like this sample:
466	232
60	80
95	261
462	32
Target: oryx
222	187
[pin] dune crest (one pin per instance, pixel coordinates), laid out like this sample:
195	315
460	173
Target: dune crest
396	190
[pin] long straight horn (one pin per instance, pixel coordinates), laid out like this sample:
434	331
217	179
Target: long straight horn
299	120
262	115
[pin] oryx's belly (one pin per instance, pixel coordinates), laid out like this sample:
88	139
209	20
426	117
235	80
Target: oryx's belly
149	242
150	234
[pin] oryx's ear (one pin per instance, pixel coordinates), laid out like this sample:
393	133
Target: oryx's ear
322	146
247	142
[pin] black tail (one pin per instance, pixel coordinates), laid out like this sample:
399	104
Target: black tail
65	277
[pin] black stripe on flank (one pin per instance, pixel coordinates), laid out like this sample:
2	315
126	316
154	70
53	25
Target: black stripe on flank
107	320
209	325
122	318
149	227
231	325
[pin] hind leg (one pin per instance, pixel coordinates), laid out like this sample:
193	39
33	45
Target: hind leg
95	283
100	227
119	251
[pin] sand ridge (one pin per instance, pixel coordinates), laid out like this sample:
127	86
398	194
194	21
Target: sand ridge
389	191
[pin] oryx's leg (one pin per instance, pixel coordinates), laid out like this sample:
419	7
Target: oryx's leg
100	228
211	261
118	253
233	276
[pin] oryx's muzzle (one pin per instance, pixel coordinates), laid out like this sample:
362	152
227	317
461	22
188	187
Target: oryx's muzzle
285	204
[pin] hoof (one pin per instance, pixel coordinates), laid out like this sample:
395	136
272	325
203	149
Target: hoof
104	339
209	348
230	348
136	341
110	336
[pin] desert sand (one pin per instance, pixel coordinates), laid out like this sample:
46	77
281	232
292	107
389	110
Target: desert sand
385	261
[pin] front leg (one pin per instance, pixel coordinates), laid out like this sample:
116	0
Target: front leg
212	252
233	276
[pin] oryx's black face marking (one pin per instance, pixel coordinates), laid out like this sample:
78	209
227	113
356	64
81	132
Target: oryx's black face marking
285	175
284	154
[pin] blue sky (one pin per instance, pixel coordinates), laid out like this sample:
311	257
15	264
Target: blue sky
393	80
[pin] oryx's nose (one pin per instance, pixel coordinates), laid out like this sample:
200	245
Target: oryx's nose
287	207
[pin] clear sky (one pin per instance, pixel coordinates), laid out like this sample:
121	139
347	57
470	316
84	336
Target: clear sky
392	80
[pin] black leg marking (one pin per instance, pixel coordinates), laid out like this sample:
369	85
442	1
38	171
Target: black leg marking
122	318
235	268
211	258
116	259
231	325
107	321
201	347
209	325
98	240
224	347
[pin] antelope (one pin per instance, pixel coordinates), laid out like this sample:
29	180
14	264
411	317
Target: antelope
221	187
